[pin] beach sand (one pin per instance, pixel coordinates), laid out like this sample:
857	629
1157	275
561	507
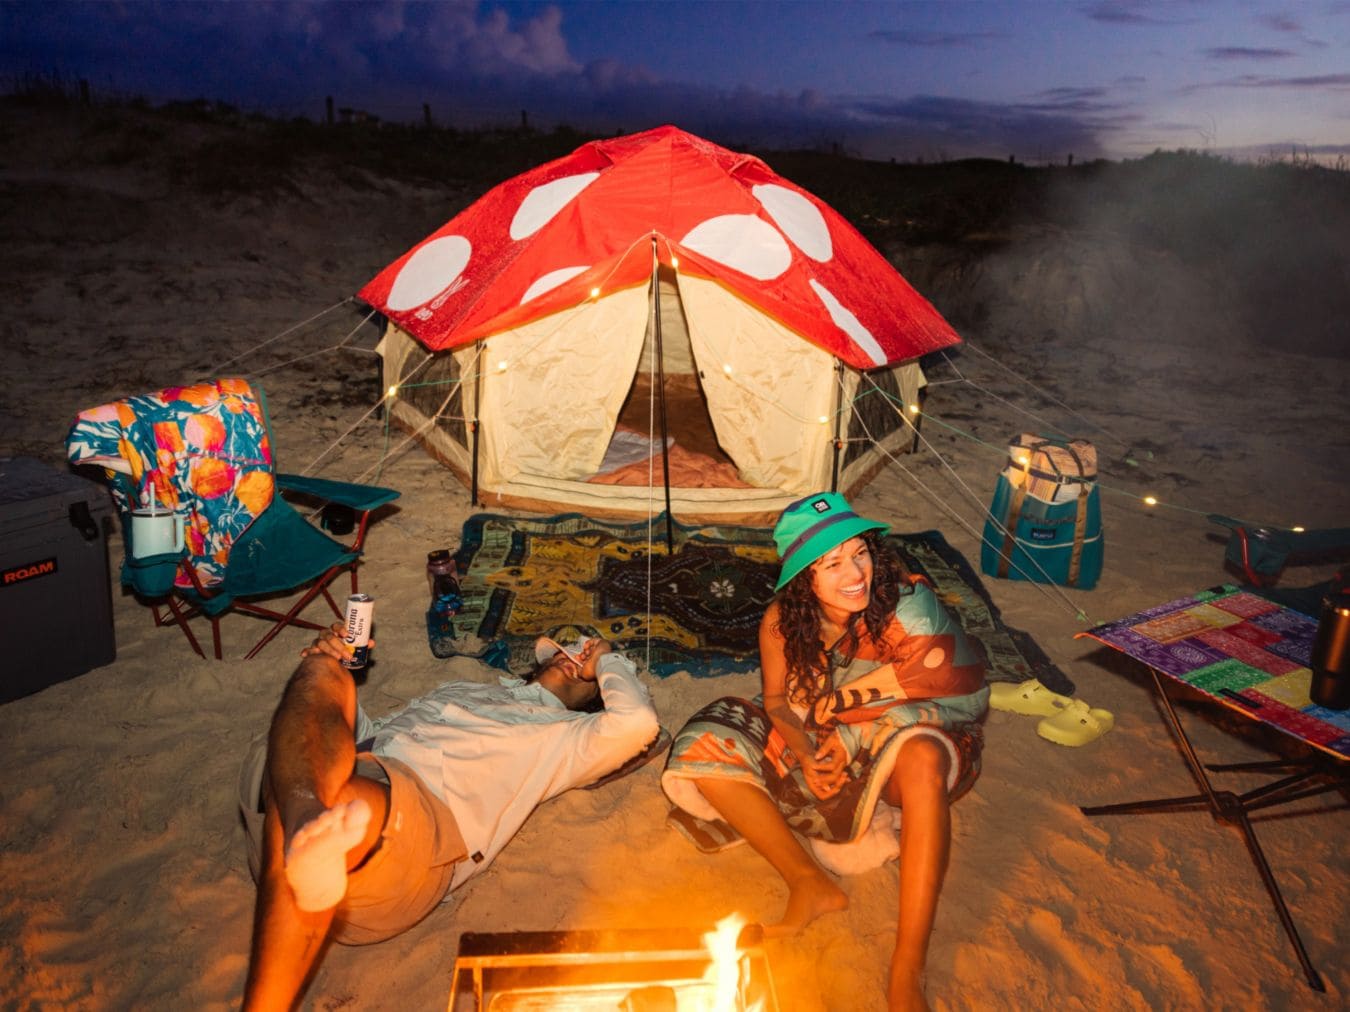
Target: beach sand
124	878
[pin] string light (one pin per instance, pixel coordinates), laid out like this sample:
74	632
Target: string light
1297	530
823	419
1150	500
501	366
913	409
595	293
675	263
727	368
392	391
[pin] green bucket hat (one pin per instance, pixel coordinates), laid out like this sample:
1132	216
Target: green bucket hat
812	526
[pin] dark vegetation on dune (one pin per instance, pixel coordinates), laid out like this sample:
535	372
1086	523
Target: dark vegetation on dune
1271	242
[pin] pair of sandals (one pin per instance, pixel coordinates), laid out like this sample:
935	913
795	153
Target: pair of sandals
1066	721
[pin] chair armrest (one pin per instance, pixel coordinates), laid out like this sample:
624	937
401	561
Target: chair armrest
359	497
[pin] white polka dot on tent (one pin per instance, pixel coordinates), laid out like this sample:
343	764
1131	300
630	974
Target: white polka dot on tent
800	220
741	241
550	281
849	323
429	271
544	202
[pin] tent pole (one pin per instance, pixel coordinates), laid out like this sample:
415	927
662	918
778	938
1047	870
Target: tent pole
838	417
473	424
661	387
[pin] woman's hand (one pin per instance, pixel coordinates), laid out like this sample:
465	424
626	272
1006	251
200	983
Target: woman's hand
331	644
826	771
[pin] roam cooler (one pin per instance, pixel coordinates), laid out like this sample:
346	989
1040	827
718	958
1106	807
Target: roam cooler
55	596
1045	521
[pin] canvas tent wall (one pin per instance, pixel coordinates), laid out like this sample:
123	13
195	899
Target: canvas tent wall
537	302
547	420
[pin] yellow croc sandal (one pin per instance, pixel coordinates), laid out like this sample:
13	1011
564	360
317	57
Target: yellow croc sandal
1030	698
1076	725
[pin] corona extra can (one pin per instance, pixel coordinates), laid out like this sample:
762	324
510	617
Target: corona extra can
360	614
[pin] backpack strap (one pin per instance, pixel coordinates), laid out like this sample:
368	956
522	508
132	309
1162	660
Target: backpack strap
1079	529
1010	530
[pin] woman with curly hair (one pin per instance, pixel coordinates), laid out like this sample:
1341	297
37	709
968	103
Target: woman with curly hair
870	693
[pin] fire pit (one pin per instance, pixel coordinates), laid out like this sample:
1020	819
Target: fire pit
676	970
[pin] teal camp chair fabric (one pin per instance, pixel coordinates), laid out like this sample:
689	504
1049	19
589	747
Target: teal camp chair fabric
205	451
1260	553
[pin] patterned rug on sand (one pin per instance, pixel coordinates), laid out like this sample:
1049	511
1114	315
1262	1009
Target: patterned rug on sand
570	575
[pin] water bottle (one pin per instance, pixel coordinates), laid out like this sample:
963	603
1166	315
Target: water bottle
443	582
1330	661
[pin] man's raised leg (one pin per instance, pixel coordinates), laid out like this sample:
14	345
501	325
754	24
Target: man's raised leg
321	822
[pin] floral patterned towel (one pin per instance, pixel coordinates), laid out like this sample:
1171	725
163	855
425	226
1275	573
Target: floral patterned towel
201	449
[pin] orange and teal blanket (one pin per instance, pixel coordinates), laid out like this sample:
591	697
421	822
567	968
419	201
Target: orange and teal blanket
200	449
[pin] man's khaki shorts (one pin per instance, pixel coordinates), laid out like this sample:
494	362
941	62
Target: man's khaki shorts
407	875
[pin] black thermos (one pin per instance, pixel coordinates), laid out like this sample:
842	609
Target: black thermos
1331	653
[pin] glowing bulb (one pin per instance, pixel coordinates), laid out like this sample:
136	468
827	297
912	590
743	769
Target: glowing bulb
823	419
1297	530
1024	461
675	262
501	366
392	390
1150	500
727	369
595	293
913	409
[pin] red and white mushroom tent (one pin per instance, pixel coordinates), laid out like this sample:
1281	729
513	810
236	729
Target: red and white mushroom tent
565	308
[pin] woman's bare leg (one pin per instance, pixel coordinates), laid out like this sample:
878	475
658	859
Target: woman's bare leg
918	785
753	814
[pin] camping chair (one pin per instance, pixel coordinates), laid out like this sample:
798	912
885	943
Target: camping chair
205	451
1260	553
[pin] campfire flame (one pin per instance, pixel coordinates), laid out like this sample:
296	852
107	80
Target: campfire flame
727	972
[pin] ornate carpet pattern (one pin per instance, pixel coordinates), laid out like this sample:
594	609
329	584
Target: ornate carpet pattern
571	575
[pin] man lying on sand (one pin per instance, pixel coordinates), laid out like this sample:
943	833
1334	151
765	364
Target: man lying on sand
361	827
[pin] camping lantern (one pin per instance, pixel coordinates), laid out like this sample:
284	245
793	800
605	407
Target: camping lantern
725	970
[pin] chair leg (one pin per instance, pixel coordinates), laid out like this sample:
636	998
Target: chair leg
333	604
181	619
320	587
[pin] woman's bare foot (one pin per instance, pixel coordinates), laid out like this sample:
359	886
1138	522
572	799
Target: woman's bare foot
316	859
808	898
905	992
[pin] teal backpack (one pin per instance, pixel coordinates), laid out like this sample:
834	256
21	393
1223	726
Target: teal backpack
1045	521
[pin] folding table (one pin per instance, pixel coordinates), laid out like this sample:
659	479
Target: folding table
1251	655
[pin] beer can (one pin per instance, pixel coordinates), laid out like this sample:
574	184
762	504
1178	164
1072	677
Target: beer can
360	615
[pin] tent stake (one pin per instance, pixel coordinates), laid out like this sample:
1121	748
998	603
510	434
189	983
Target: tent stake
661	396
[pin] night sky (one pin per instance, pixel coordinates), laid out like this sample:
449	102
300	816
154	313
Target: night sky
924	80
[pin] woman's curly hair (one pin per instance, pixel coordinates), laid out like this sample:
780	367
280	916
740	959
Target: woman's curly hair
799	620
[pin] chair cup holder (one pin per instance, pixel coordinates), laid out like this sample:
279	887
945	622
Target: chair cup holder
339	519
153	575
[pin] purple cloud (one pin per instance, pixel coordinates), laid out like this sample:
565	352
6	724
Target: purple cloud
1246	53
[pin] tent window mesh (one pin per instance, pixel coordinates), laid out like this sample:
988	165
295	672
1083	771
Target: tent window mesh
875	413
429	389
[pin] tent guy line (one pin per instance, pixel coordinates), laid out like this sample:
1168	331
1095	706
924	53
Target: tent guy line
1048	589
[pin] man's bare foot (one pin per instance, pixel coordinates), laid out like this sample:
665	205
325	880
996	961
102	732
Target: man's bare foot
316	860
808	898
